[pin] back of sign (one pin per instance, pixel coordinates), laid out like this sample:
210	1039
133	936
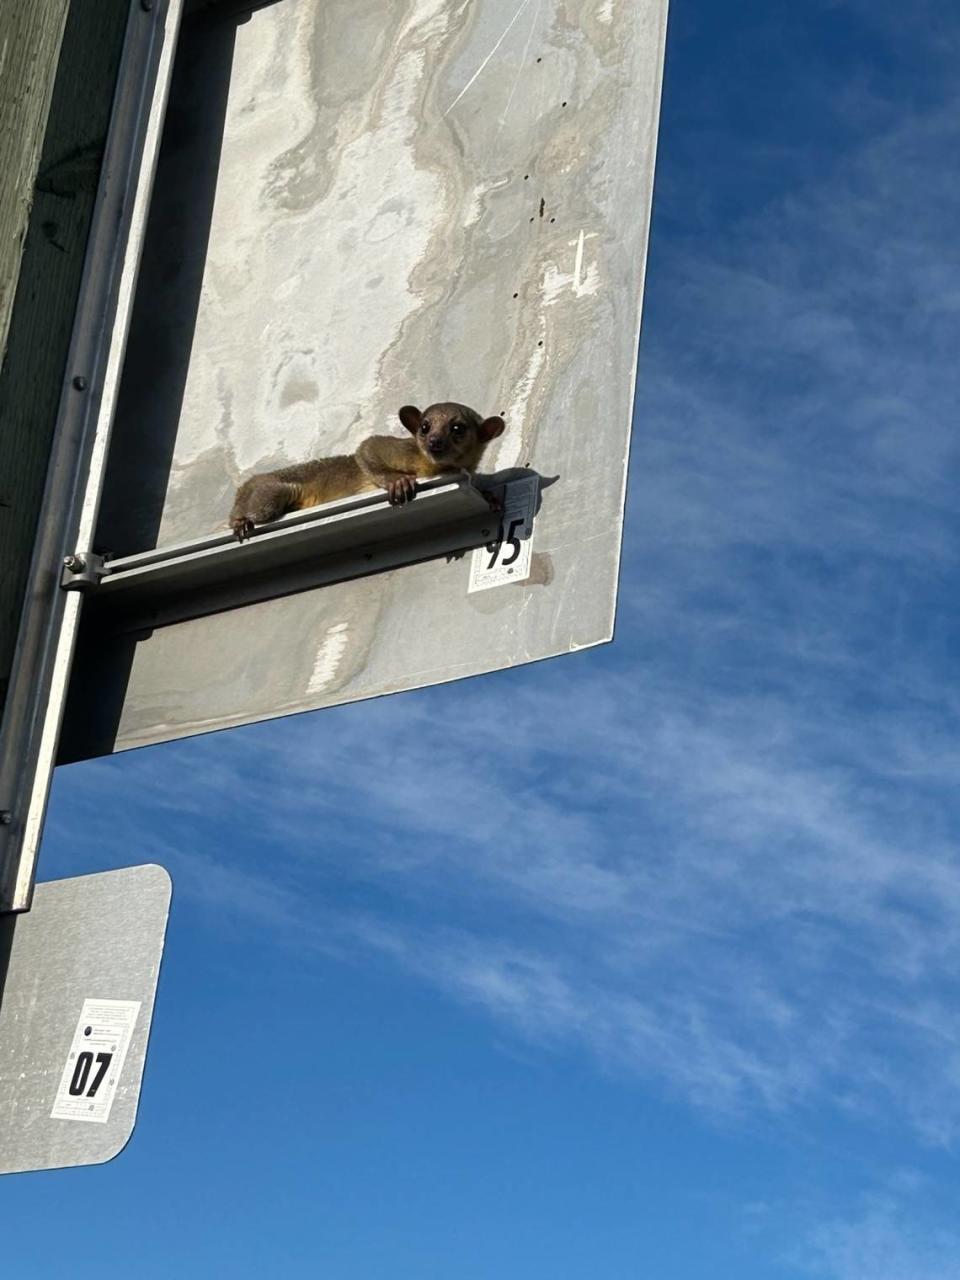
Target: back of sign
78	978
362	204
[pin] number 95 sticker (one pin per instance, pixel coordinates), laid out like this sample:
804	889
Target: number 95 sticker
508	559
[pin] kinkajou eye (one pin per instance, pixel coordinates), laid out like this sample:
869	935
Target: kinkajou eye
425	428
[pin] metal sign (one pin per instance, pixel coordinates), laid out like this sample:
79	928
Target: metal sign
357	207
78	976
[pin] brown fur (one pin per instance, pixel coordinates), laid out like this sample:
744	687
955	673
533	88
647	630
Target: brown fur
447	438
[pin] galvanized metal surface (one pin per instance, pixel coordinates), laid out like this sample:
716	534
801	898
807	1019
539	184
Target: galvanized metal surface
361	204
45	641
91	937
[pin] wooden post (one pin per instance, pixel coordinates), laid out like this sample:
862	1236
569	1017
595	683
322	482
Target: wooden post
30	37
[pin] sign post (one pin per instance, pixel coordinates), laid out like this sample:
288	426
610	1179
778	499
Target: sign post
42	660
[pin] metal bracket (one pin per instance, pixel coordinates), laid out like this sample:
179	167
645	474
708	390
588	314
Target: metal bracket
81	572
332	543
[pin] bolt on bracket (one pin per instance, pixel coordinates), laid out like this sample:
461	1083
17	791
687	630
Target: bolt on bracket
81	571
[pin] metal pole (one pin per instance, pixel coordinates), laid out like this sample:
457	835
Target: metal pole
48	625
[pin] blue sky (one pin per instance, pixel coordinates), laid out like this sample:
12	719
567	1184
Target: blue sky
668	991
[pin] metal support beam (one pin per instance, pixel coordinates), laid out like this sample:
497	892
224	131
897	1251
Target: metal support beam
338	541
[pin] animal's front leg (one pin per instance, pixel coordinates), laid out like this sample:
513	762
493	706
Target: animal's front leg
401	489
242	527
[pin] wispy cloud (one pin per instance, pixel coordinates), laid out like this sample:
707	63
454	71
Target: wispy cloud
889	1235
689	891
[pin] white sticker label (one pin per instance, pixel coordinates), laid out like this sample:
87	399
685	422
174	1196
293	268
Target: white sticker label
94	1064
508	559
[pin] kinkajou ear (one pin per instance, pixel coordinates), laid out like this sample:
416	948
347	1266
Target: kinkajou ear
411	418
491	427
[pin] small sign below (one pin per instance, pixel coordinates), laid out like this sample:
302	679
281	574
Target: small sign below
78	978
94	1064
508	559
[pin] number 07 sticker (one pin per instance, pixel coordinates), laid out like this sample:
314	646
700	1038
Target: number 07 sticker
508	559
95	1060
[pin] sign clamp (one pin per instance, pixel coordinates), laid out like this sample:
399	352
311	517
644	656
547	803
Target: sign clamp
350	538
